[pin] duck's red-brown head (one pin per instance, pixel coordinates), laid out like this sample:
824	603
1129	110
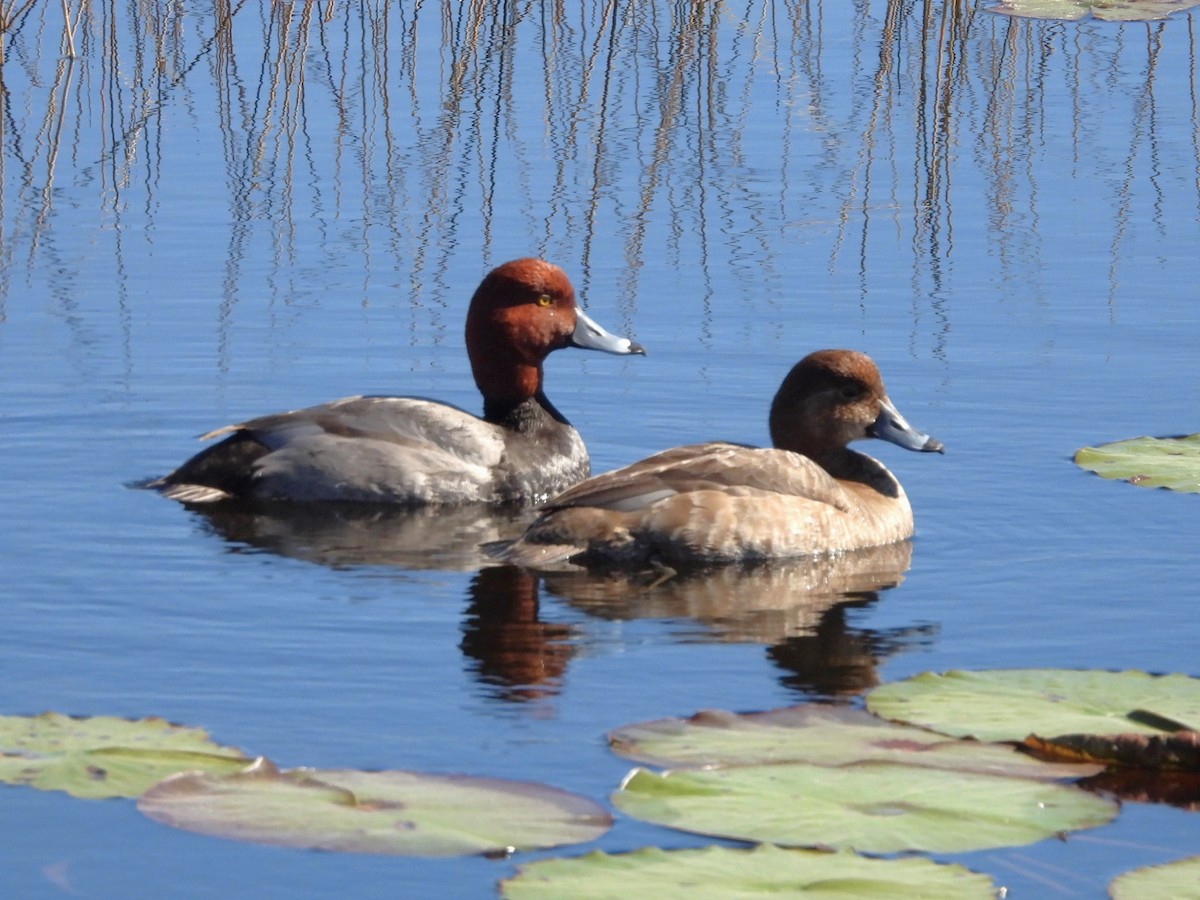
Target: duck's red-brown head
522	312
833	397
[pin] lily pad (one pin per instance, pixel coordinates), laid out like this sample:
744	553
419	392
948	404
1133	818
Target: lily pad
1171	881
393	812
1175	752
824	735
104	756
723	873
1109	10
1172	463
871	807
1010	704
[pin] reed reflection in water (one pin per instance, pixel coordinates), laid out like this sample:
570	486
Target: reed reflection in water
355	136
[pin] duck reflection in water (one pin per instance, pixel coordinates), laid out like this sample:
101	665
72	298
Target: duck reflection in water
506	645
796	607
836	659
339	535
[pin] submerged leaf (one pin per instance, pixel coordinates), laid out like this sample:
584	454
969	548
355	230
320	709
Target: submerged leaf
870	807
724	873
104	756
1010	704
824	735
1172	463
394	812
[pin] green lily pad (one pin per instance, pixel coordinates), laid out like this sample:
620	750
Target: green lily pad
1110	10
1010	704
1172	463
872	807
396	813
824	735
723	873
1171	881
104	756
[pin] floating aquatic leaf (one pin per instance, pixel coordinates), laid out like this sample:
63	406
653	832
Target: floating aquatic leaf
824	735
393	812
104	756
1179	751
871	807
1172	463
1010	704
723	873
1110	10
1171	881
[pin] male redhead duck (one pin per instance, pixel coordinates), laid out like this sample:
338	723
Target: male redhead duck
722	502
417	452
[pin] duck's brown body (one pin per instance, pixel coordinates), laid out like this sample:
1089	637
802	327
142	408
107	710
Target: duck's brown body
722	502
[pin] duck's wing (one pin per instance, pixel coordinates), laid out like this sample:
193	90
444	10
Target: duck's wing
713	502
733	469
404	421
370	449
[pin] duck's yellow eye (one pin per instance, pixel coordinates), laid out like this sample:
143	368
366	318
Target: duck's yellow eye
545	300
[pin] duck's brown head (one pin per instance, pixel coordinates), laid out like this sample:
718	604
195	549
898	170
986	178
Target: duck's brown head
833	397
522	312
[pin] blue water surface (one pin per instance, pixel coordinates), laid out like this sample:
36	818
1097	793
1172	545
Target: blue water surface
206	218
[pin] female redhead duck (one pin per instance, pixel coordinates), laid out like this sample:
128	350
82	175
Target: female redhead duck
417	452
722	502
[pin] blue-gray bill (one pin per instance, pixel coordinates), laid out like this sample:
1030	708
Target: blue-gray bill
891	426
590	335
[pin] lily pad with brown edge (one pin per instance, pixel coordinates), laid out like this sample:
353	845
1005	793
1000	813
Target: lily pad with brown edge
99	757
823	735
871	807
724	873
1108	10
1171	881
1011	704
1176	752
392	812
1172	463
